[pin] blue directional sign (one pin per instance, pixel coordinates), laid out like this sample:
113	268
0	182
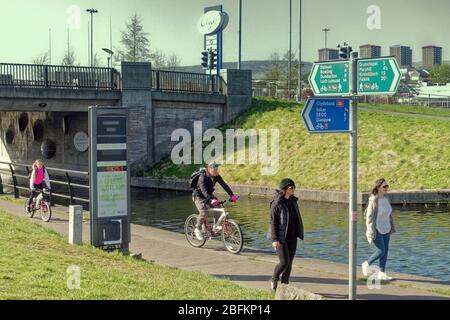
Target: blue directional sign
327	115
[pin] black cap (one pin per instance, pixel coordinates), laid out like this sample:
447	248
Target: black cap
286	183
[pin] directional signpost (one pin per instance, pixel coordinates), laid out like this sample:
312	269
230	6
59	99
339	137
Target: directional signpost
347	78
327	115
378	76
330	78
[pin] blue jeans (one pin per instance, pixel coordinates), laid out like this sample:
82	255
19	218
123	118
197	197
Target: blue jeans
381	243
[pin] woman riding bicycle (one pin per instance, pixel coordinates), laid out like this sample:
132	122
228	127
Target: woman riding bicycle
38	176
203	196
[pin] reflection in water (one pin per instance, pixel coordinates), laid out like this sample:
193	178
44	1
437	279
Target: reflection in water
420	246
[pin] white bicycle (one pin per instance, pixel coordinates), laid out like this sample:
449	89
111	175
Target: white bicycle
227	229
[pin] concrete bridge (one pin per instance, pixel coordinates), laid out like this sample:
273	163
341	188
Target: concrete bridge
43	108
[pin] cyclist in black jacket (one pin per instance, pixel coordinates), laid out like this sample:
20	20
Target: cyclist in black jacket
203	195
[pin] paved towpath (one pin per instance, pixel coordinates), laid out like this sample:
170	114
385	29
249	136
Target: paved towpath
250	268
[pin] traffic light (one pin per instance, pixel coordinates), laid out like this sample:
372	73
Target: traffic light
212	60
345	51
205	59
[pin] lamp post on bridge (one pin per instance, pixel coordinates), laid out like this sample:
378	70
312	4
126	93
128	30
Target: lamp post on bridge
92	11
111	53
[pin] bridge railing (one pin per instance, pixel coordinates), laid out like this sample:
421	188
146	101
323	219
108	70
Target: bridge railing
54	76
20	181
176	81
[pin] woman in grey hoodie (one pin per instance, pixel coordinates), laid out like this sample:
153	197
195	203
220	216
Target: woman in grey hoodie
380	226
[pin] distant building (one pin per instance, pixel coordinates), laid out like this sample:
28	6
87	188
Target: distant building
403	55
369	51
431	55
328	54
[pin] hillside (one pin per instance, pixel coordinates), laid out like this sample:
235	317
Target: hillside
412	153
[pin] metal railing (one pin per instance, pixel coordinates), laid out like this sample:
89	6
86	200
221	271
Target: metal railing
187	82
428	99
12	169
53	76
424	100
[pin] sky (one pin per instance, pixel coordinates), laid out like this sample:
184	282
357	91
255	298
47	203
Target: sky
172	26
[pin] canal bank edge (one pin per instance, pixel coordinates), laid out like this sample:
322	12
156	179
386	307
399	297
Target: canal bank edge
438	196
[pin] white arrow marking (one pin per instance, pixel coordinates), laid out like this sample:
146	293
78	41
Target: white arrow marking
307	118
313	79
396	75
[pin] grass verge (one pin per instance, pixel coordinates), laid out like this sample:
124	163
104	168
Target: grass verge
34	264
431	111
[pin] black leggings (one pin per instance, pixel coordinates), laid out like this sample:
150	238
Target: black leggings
34	193
286	254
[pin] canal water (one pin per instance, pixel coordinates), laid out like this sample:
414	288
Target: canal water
421	245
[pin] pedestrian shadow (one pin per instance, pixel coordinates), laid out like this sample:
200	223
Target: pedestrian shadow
58	220
439	282
292	280
380	296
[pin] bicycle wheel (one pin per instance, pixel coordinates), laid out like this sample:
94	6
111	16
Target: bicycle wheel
30	213
189	227
45	211
232	237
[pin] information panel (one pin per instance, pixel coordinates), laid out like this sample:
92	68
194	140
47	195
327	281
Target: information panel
109	177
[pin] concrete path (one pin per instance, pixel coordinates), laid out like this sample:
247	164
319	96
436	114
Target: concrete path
414	115
250	268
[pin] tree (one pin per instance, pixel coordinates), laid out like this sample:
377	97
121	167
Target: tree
173	62
277	69
440	74
96	61
274	70
42	59
135	42
294	67
158	59
69	58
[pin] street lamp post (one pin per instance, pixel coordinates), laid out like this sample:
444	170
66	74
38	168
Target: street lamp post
111	53
290	50
326	30
92	11
299	86
240	36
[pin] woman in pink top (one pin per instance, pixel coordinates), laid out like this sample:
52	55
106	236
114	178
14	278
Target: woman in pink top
38	176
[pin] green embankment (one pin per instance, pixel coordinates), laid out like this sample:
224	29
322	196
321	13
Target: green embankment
431	111
34	263
412	153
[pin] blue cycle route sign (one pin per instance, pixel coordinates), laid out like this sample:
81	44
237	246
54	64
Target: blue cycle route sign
327	115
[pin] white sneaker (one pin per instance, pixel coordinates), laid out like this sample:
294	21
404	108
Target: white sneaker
383	276
198	235
365	268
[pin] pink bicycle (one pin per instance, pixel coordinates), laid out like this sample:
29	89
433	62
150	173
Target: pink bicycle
39	204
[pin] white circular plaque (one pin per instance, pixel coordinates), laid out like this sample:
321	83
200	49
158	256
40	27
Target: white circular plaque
81	141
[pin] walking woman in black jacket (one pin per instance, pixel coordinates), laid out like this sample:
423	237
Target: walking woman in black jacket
285	227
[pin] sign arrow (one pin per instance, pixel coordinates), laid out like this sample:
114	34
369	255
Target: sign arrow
378	76
330	78
327	115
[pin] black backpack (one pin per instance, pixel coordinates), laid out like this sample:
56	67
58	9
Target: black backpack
193	180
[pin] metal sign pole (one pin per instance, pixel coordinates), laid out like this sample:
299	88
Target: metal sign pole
353	174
